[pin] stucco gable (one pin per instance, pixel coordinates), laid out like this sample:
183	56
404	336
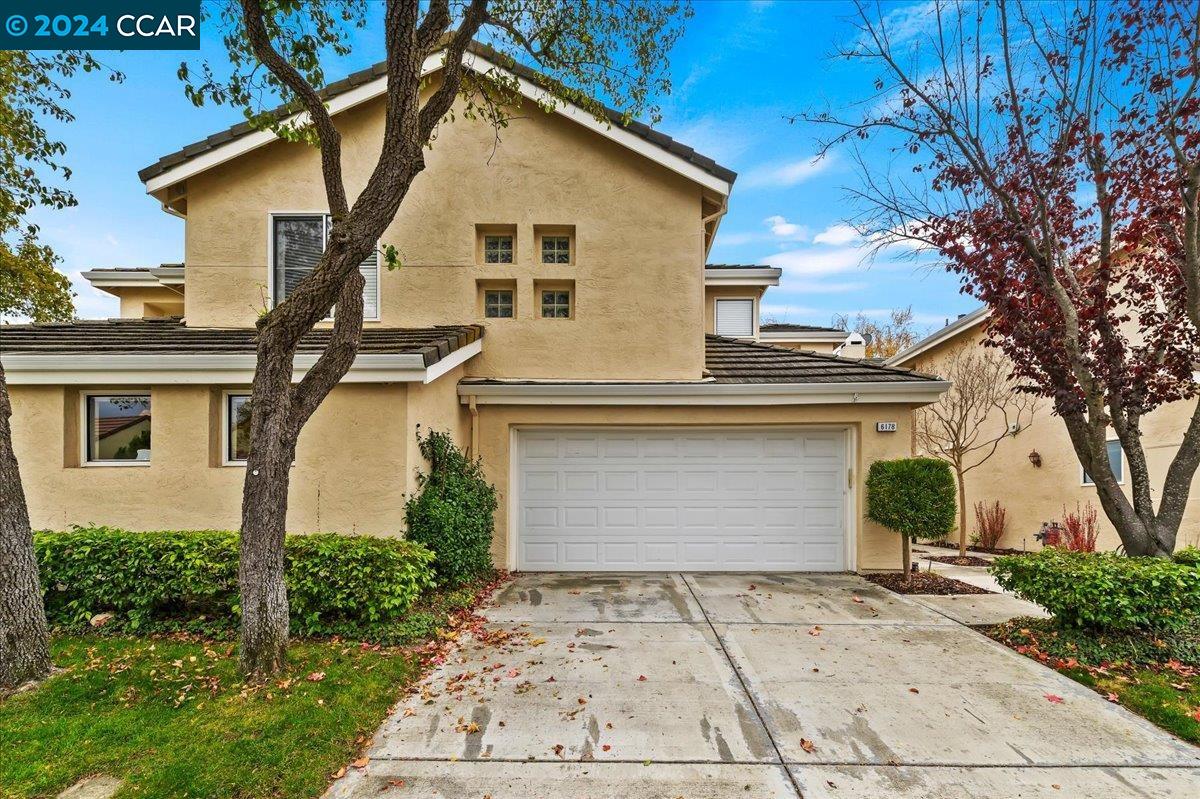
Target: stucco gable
370	83
956	329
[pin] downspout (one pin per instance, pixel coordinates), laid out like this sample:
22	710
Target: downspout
474	426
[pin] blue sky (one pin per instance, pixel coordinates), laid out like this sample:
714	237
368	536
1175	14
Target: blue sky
739	69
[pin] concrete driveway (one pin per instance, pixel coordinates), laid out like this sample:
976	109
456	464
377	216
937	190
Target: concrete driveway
721	685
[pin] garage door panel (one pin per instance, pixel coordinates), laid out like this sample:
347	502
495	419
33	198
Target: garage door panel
635	500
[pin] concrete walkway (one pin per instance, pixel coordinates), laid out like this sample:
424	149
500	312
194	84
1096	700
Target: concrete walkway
765	686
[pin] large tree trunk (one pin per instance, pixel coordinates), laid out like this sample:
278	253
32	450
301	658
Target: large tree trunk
24	639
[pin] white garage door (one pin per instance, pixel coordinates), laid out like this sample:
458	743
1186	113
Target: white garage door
688	499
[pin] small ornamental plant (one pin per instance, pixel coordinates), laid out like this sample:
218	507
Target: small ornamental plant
916	497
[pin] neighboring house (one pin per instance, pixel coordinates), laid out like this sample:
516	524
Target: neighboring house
552	312
1036	473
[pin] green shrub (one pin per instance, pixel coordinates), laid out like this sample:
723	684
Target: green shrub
171	580
916	497
1188	555
1105	591
452	513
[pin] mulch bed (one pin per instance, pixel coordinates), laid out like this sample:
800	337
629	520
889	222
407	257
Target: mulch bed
972	548
955	560
924	583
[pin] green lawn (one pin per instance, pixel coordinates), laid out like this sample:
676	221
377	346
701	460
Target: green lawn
1157	678
170	716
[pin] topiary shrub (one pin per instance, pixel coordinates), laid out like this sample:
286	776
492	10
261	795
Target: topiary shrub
453	511
180	580
916	497
1104	590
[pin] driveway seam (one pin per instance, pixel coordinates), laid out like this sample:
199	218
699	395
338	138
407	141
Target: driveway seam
745	688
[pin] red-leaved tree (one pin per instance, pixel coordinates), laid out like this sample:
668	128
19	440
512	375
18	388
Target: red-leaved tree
1053	161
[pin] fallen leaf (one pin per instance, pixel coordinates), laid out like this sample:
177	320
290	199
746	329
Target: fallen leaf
582	701
558	749
606	747
337	775
807	745
815	631
858	600
641	678
913	691
753	587
1111	697
1054	699
396	783
316	676
361	762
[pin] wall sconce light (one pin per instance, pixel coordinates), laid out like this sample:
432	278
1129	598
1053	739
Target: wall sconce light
1035	458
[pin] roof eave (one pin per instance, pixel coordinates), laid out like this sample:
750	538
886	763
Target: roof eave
960	325
916	392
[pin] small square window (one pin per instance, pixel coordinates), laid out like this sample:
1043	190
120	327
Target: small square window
118	428
556	249
556	304
237	431
497	249
498	304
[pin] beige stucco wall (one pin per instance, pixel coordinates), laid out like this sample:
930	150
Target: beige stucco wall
156	302
877	548
1033	495
354	460
637	271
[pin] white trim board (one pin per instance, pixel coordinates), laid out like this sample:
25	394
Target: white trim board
766	276
964	322
124	370
700	393
377	87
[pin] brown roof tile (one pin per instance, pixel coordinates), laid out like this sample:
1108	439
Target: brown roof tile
171	336
732	361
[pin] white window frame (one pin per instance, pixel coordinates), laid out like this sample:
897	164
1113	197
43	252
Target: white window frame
226	431
753	316
271	262
1084	480
84	431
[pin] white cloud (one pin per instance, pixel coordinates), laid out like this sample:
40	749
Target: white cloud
836	235
790	173
817	263
782	228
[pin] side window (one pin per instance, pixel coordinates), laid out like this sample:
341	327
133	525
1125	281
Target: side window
556	304
297	242
556	249
118	429
237	428
498	304
734	318
497	249
1116	456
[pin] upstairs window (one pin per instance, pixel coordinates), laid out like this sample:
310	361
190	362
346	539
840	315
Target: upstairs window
735	318
118	429
556	249
1116	457
497	249
498	304
556	304
297	241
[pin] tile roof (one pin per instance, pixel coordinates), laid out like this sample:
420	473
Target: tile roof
788	327
377	71
170	336
732	361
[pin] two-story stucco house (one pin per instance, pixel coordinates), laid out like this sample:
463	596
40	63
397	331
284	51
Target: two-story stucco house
553	312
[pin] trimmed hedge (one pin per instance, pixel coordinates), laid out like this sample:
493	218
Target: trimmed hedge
170	580
1188	555
916	497
453	513
1104	590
